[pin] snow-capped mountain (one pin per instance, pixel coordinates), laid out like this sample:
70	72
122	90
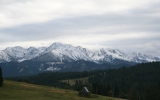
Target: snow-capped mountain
19	54
65	50
139	57
58	52
100	56
65	57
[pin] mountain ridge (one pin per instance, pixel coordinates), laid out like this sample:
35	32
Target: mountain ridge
65	52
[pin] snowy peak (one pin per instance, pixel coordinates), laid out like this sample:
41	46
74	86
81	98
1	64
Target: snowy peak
138	57
20	54
74	53
16	52
56	46
108	55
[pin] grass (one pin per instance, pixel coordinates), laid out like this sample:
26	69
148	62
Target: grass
72	81
23	91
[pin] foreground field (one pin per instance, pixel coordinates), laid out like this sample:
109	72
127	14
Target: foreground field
23	91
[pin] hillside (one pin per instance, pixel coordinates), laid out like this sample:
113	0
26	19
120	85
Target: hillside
19	90
24	68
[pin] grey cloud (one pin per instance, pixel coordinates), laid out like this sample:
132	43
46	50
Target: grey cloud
118	23
137	20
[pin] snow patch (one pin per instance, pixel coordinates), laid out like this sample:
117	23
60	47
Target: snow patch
53	63
52	69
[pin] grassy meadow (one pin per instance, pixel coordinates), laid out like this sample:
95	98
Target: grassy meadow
72	81
23	91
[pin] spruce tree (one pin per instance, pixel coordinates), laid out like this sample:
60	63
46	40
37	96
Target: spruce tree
108	89
1	78
116	92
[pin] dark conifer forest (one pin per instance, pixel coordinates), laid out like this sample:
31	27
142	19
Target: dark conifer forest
1	77
139	82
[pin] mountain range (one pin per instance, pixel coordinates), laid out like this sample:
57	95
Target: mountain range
65	57
58	52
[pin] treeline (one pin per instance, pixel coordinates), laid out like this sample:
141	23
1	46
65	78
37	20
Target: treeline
139	82
52	78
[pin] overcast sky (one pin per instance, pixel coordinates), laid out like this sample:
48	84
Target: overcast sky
128	25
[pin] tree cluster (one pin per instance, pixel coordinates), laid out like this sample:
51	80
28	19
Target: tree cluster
139	82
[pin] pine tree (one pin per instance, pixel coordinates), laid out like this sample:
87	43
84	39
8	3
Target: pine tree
108	89
132	95
151	93
1	78
116	92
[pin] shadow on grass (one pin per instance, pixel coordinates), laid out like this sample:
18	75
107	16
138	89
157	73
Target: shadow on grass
90	96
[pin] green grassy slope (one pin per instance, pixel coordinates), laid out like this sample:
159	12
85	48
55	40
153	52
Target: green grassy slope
23	91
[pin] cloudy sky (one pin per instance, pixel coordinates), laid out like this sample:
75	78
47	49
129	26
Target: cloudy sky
129	25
